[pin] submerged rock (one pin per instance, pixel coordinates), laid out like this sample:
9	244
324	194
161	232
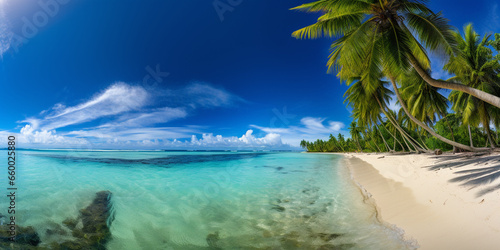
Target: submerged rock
336	247
90	229
328	237
213	240
278	208
26	237
96	219
70	223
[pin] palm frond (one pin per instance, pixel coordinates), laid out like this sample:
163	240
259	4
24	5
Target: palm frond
433	30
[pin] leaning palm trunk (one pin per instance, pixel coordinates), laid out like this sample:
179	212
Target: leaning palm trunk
383	139
359	146
486	124
451	130
421	124
395	124
414	140
395	139
372	140
420	137
406	142
416	145
488	133
481	95
470	136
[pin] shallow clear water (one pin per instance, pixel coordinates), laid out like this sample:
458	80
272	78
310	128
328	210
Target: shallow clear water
176	200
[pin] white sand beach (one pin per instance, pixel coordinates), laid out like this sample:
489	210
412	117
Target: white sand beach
451	201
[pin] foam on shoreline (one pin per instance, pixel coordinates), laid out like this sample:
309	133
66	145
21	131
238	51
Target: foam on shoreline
350	162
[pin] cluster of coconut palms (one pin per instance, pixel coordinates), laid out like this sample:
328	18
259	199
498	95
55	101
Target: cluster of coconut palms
382	48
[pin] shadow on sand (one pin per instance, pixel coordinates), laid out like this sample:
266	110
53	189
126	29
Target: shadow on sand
487	172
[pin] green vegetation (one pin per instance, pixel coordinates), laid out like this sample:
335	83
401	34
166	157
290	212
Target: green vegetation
385	43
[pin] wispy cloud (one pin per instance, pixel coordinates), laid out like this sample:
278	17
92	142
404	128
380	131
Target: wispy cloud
116	99
147	118
5	34
310	129
202	95
393	103
492	19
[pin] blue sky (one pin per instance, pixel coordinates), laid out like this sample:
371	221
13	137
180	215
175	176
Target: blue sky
174	74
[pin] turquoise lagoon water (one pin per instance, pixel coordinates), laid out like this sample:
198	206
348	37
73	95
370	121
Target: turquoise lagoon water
175	200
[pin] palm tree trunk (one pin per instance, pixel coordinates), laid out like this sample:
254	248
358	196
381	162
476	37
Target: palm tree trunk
395	139
421	124
359	146
488	133
414	140
486	125
406	142
451	131
395	124
381	135
489	98
420	137
407	138
470	136
374	142
495	138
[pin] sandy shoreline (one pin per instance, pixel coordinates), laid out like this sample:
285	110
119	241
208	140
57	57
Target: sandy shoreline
441	202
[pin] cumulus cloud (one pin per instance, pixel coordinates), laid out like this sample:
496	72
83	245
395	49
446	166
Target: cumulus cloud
247	140
29	136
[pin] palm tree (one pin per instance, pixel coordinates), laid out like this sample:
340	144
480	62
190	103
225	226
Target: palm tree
424	101
368	105
475	66
355	131
384	34
303	144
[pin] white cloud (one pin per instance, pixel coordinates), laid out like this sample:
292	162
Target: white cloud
135	134
492	20
310	129
29	136
151	117
129	121
146	138
204	95
5	34
246	141
116	99
393	104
